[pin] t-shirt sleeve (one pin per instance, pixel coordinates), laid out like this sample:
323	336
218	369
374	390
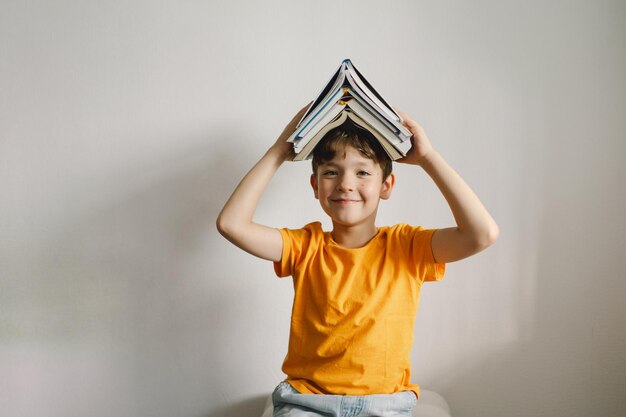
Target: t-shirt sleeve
295	244
419	244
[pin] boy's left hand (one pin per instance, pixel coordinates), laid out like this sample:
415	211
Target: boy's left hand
421	144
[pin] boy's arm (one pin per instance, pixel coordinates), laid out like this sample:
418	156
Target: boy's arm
235	220
475	228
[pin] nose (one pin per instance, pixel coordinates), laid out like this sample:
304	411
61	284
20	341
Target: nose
345	183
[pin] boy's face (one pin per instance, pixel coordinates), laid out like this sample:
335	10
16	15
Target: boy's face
350	186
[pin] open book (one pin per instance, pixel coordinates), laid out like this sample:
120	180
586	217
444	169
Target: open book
347	95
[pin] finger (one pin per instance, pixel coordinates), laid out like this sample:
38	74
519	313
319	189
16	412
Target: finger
401	113
407	120
411	123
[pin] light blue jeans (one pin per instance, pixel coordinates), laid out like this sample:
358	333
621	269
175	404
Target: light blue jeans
290	403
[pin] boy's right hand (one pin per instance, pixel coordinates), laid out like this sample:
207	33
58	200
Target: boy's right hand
281	145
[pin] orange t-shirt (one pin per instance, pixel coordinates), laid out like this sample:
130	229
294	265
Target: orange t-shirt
354	309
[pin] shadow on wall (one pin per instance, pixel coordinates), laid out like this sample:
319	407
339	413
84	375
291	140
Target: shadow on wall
252	407
125	304
572	362
564	368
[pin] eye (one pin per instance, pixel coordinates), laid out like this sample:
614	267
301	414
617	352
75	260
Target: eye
363	173
329	173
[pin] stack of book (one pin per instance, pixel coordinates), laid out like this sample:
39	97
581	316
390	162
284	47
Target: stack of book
348	96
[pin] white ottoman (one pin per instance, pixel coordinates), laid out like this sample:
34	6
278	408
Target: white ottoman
430	404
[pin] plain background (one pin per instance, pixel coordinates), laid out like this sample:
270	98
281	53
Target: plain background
125	125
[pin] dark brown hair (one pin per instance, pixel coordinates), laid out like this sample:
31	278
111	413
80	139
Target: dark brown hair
350	134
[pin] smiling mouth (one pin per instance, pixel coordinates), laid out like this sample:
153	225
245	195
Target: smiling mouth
344	201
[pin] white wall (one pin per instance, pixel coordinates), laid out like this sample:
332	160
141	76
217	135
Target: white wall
125	125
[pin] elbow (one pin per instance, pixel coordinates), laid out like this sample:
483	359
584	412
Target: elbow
483	238
223	226
230	227
490	236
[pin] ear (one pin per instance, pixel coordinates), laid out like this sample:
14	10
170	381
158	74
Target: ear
387	187
314	185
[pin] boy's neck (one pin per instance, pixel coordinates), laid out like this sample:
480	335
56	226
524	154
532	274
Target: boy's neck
351	237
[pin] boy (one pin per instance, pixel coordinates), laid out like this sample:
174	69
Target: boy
356	288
